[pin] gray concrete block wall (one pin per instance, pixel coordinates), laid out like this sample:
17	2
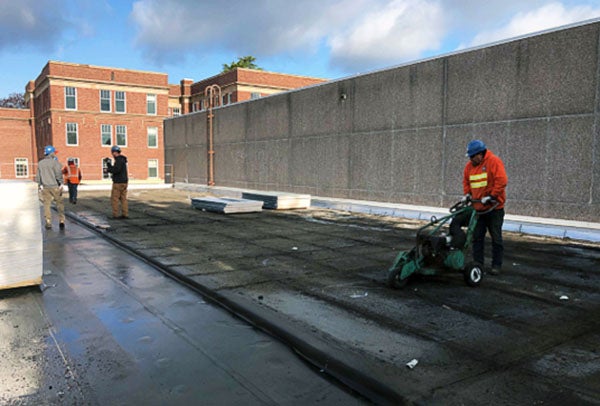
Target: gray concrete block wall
399	135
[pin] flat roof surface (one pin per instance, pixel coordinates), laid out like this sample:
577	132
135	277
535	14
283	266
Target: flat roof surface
322	273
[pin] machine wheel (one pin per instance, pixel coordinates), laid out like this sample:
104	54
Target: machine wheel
473	274
394	280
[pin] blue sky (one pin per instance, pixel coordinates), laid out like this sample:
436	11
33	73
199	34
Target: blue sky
323	38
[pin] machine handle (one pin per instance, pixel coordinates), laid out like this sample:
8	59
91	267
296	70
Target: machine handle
461	204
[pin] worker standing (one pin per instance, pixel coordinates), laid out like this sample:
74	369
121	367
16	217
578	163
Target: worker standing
485	180
72	179
120	180
49	180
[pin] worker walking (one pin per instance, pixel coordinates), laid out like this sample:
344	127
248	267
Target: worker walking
120	180
72	179
485	180
49	179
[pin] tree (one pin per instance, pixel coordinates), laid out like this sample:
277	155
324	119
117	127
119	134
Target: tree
242	62
13	101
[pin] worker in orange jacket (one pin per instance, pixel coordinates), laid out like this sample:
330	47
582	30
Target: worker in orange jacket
485	179
72	175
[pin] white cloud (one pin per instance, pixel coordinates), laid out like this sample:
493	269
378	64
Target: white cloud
169	28
358	34
401	30
37	23
361	34
547	16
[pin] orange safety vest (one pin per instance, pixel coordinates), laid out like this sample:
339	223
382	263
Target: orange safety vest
73	174
486	179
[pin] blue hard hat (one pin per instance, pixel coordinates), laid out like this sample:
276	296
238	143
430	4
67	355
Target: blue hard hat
49	149
115	148
475	147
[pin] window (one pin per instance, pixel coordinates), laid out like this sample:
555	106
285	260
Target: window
70	98
152	137
105	174
21	167
106	135
153	168
254	95
120	102
228	98
121	133
194	106
105	100
151	104
72	138
201	105
176	111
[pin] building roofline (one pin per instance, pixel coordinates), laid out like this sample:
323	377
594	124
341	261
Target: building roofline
283	74
258	71
104	67
48	78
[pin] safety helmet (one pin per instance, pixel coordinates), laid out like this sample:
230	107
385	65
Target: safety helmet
70	161
115	148
49	149
475	147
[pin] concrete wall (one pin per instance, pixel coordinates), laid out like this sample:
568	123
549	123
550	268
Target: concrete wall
400	135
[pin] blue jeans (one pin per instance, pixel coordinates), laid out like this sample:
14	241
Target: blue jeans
491	222
72	192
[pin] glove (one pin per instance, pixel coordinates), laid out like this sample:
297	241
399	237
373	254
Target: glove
487	200
465	198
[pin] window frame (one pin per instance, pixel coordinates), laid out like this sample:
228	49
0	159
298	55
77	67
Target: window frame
151	167
117	127
109	101
24	162
148	137
104	176
151	98
124	102
67	96
176	111
76	144
255	95
110	127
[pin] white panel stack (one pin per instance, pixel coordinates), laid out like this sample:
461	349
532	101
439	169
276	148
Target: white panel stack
21	256
226	205
279	200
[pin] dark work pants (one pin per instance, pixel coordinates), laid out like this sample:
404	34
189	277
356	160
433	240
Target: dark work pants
491	222
72	192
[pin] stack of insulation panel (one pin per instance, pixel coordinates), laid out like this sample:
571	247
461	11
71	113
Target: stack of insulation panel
226	205
21	258
279	200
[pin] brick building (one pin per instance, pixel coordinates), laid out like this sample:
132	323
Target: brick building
242	84
83	110
16	144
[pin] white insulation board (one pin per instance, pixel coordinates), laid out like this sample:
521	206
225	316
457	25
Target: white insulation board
21	256
279	200
226	205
